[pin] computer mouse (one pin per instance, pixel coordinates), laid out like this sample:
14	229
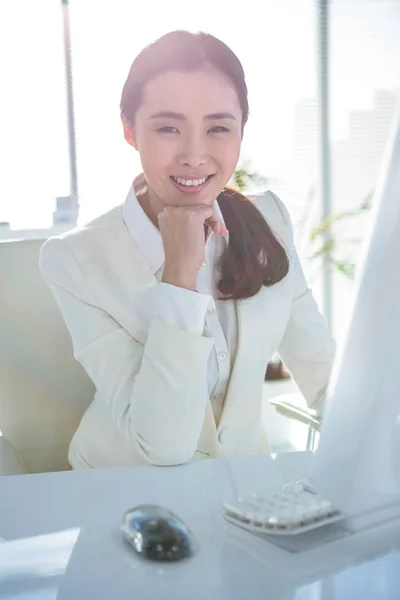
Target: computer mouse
157	533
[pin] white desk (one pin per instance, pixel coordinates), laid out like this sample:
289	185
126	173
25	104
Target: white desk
61	540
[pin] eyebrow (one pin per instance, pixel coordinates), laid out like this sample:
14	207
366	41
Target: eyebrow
220	115
166	114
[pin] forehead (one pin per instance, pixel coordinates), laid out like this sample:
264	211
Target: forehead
202	92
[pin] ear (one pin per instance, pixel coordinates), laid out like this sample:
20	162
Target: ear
128	132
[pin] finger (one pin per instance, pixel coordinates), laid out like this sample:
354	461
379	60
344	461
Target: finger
211	219
217	225
206	214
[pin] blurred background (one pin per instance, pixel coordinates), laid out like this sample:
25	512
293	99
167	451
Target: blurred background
323	82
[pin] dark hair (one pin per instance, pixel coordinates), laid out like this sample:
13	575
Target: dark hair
254	257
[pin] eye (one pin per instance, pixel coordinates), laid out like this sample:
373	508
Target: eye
167	130
219	129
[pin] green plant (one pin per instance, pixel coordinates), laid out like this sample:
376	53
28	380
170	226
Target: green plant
245	177
331	250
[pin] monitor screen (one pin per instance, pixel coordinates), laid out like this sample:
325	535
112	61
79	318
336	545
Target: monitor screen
357	464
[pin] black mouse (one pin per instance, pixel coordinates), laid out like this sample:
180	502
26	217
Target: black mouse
157	533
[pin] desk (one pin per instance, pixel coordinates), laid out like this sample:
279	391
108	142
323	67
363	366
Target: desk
61	539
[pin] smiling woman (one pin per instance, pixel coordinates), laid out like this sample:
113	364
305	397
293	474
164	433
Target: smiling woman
189	142
177	299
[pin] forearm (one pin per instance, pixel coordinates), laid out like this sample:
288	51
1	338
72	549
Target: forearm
157	401
170	394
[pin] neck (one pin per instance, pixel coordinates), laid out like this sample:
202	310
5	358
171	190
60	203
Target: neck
152	206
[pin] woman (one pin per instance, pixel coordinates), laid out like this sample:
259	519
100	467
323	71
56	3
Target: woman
176	300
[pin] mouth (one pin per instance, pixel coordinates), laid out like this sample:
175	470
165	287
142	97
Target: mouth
191	186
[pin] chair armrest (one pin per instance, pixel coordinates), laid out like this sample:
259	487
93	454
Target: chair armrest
304	415
10	463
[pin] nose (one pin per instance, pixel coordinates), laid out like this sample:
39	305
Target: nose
193	151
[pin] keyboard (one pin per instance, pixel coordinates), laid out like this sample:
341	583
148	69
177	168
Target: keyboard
296	509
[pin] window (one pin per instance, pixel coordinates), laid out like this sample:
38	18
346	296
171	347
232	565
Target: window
33	125
365	85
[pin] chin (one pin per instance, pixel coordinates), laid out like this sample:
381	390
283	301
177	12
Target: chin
206	198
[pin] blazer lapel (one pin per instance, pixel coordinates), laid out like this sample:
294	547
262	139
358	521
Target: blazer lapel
261	321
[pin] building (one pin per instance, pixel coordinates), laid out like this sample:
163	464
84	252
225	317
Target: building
66	212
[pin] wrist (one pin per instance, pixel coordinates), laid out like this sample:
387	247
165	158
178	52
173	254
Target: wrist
180	277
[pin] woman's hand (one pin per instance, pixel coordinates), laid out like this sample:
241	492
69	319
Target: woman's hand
182	231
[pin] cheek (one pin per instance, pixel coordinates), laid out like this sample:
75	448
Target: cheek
228	155
155	153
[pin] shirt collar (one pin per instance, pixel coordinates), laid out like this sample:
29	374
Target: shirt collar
146	234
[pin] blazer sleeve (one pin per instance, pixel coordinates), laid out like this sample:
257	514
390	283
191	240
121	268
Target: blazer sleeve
307	348
155	392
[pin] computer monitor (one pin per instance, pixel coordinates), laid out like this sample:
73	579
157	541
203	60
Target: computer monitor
357	464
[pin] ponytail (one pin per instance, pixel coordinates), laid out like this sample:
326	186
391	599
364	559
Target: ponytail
254	257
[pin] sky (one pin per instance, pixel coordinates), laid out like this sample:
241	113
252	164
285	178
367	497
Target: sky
275	40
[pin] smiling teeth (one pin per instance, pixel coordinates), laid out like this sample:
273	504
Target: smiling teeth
190	182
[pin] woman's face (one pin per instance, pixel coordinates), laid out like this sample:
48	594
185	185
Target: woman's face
188	133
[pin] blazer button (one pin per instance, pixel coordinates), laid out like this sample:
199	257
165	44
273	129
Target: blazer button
224	436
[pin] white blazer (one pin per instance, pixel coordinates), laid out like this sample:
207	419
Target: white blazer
152	403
